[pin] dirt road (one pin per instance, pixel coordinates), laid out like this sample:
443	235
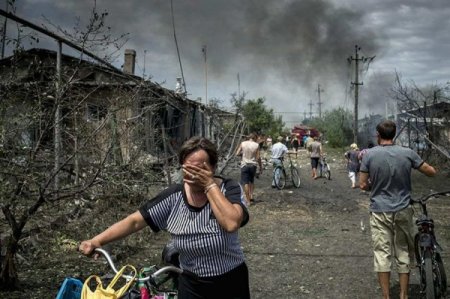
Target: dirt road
311	242
314	242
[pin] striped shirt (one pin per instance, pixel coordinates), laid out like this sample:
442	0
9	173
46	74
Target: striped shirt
205	248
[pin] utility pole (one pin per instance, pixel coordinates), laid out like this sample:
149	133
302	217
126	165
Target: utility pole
206	75
143	72
319	103
357	59
239	87
310	109
4	32
58	120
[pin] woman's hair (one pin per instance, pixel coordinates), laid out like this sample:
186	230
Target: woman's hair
387	129
198	143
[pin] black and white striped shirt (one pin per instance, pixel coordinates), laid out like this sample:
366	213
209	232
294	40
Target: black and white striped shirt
205	248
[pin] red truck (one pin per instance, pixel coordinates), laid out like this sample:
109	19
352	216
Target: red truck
301	130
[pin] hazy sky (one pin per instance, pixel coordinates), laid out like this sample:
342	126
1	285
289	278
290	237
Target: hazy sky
282	49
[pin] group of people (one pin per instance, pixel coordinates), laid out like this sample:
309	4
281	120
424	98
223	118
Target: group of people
251	158
204	212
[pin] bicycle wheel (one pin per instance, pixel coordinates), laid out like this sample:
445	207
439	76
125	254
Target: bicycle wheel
327	173
319	170
441	277
279	177
429	275
295	177
417	249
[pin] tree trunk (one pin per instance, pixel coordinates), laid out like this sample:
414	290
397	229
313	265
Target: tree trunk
8	275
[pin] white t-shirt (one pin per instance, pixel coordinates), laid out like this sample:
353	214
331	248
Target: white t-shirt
249	149
278	150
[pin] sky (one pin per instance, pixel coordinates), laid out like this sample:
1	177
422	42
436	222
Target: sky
281	50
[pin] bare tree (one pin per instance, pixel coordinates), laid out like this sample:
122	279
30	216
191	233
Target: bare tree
421	115
30	97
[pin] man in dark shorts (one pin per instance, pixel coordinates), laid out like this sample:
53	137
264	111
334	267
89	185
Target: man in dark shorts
295	144
315	150
250	159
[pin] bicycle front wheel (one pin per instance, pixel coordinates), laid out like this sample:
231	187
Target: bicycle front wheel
327	173
441	277
295	176
429	275
279	177
417	248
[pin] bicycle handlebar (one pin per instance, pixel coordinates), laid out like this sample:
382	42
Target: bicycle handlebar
161	271
423	199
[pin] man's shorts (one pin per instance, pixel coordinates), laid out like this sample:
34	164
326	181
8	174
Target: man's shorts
314	162
248	173
392	238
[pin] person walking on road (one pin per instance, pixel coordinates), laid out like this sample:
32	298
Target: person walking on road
250	152
278	152
307	140
386	171
352	163
268	151
295	144
315	151
364	151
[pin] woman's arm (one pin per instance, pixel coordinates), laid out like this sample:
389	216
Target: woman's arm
229	215
118	230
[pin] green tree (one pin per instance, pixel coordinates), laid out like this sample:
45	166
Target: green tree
335	126
261	119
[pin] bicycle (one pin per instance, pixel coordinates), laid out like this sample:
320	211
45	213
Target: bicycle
152	277
280	174
324	168
433	280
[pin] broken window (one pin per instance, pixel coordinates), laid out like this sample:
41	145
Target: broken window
95	112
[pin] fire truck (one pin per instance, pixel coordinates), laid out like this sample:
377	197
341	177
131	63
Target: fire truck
301	130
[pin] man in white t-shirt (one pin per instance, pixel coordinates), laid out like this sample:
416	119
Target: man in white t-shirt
250	159
278	152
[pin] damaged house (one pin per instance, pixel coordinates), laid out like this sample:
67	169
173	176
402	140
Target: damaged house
422	128
132	118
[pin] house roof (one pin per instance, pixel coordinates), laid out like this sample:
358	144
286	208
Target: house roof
438	110
37	60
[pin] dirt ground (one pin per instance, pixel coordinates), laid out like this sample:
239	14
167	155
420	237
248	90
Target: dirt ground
311	242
